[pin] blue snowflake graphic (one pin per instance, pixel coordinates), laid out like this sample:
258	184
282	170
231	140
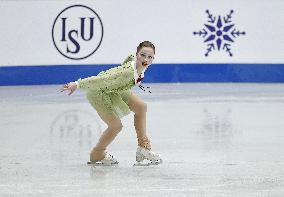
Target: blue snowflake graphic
219	33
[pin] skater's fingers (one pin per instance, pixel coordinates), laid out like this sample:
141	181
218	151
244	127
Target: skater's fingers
71	91
63	89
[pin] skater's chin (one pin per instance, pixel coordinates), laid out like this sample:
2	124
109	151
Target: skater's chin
144	64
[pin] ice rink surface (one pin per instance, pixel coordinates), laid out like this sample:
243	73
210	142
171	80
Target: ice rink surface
221	140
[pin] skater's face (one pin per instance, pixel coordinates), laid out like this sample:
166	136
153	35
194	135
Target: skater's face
145	57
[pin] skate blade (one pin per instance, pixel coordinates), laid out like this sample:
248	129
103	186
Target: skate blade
101	163
152	163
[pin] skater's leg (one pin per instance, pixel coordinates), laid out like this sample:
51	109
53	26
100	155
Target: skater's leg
144	147
140	109
114	127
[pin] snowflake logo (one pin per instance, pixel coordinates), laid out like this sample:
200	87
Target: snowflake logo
219	33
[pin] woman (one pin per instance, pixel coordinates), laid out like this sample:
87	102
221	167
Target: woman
109	93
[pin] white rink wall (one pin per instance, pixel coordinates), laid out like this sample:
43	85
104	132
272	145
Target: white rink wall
54	42
27	25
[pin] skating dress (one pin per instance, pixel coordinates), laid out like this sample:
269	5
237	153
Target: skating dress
109	91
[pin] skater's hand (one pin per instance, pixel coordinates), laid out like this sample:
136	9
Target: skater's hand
72	86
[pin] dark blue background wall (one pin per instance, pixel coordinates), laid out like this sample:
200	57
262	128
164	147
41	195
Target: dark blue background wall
58	74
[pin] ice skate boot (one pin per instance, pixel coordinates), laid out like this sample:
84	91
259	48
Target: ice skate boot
145	154
108	160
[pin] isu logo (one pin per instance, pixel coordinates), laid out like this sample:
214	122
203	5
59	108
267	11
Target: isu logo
77	32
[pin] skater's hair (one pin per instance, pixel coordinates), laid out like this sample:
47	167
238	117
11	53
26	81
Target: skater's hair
145	44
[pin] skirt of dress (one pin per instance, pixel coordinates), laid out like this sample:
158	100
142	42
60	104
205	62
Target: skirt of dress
110	103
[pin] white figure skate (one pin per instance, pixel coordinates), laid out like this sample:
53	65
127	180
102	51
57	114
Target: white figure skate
109	160
145	154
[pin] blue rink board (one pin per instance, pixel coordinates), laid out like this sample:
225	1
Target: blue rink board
157	73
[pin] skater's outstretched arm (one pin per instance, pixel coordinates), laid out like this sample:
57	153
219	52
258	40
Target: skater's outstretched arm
109	80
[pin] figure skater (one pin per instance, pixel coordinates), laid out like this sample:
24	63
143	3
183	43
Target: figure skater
110	94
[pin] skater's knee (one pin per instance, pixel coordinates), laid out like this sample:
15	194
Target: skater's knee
114	124
117	127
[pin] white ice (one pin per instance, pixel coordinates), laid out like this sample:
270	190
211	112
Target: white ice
215	140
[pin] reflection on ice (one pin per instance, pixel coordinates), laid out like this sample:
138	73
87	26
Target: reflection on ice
217	128
77	124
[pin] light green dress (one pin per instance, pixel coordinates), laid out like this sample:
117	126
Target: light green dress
109	91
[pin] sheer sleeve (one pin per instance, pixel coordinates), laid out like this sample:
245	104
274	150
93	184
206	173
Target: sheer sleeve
110	80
